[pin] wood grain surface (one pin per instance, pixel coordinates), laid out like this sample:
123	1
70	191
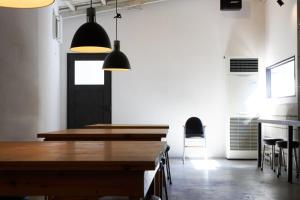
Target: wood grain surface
105	135
98	155
128	126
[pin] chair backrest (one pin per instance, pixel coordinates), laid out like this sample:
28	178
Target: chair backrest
193	128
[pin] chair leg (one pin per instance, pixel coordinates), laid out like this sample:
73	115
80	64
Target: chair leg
277	162
263	158
273	158
296	162
168	168
163	174
155	198
280	162
165	184
284	157
167	164
204	141
284	161
183	156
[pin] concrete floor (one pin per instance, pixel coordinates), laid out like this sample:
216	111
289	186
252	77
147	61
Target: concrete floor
228	180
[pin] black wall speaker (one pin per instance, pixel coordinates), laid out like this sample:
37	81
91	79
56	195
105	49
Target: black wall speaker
231	4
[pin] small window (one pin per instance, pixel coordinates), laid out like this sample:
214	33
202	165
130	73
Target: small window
89	72
281	79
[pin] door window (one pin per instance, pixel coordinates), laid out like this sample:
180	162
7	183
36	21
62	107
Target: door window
88	72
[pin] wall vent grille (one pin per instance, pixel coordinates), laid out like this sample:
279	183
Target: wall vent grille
243	134
244	65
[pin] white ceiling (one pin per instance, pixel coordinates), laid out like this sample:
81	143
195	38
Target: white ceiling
69	8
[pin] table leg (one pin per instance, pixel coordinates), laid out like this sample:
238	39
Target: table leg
72	198
151	190
134	198
158	183
290	155
259	146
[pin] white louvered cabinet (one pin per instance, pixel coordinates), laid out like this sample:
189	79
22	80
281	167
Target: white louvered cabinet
242	138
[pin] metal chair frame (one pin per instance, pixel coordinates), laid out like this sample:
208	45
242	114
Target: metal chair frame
184	141
281	161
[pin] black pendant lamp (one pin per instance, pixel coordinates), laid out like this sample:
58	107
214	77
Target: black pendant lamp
91	37
25	3
280	2
116	60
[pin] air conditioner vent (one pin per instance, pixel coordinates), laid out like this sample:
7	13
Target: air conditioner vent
231	4
244	65
243	134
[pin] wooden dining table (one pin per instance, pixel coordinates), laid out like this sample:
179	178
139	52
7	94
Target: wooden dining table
129	126
80	169
106	134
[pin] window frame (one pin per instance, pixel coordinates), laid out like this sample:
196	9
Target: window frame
100	70
268	78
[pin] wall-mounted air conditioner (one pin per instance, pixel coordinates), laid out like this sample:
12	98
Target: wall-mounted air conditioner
231	4
242	66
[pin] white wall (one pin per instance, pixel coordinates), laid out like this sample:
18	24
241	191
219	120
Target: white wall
281	43
29	74
176	50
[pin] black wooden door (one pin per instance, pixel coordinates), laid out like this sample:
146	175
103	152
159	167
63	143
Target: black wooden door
89	90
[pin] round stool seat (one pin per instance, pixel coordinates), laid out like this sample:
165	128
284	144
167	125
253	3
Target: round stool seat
283	144
168	148
271	141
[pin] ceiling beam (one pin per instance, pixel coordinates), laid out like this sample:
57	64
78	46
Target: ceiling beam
70	5
104	2
110	5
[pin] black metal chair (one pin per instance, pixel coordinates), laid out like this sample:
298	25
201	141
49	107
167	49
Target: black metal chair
193	128
162	168
168	164
281	156
155	198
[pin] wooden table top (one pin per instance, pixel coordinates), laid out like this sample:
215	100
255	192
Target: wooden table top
129	126
102	155
111	134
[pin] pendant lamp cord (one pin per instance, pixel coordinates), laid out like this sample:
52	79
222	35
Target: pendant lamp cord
91	3
118	15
